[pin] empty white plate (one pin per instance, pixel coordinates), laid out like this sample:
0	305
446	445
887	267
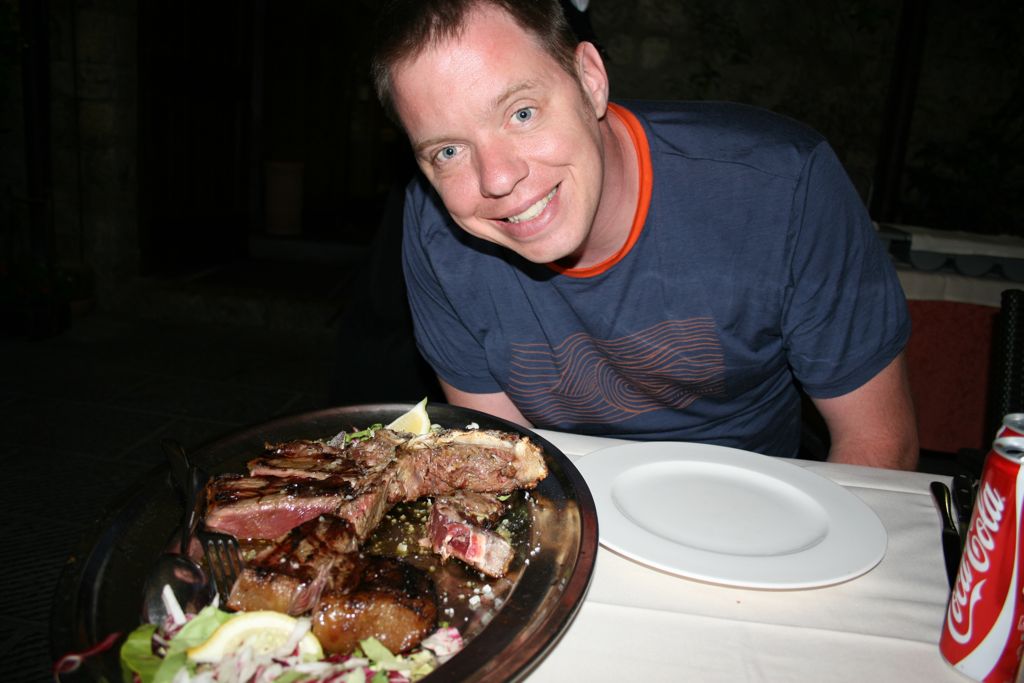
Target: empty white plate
731	517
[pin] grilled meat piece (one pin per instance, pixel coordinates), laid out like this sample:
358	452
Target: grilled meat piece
318	501
368	477
269	507
451	535
319	460
483	508
290	575
393	602
487	461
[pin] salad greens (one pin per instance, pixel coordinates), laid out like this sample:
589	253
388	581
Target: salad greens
159	655
137	653
361	435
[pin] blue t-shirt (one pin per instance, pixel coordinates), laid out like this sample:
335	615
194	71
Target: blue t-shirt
757	266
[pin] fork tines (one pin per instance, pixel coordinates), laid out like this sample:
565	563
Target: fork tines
223	560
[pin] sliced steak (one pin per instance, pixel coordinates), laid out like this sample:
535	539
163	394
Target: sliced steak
319	460
393	602
290	575
486	461
365	508
482	508
309	505
451	535
269	507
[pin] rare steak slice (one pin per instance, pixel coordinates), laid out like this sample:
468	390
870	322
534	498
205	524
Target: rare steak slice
451	535
442	463
290	575
393	602
269	507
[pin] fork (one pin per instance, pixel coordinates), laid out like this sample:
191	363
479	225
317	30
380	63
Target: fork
223	559
221	552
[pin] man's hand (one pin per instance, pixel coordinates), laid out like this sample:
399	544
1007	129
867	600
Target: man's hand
874	424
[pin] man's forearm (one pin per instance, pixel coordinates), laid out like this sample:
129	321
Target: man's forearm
875	424
901	454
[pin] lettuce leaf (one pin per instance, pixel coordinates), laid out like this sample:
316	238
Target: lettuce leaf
137	652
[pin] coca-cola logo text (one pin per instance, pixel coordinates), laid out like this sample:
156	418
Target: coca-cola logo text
975	564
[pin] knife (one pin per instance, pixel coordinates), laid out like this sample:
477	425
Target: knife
951	545
964	489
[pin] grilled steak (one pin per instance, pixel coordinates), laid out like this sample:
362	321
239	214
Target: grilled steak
483	508
452	536
301	480
269	507
309	505
442	463
393	602
290	575
318	460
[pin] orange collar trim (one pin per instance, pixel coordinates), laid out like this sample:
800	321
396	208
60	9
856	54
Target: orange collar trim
643	158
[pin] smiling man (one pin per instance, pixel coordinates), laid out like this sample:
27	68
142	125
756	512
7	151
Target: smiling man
649	270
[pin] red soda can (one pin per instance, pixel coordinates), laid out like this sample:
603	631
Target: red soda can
984	629
1013	425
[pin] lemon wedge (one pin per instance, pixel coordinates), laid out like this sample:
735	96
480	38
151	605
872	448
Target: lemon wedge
263	631
414	421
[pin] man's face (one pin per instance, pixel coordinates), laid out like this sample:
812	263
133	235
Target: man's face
507	137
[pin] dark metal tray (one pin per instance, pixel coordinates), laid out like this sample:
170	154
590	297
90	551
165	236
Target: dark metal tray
100	589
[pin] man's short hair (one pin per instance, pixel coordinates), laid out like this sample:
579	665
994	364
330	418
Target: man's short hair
405	28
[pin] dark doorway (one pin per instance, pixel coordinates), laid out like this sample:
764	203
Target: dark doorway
257	121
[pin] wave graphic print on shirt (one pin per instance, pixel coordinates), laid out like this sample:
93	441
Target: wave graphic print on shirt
588	380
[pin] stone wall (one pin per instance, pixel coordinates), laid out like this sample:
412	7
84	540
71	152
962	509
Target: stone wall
828	64
94	128
824	62
13	192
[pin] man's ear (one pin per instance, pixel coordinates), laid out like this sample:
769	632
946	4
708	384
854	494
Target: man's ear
592	76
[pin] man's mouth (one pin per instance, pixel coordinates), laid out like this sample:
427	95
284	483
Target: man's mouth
533	211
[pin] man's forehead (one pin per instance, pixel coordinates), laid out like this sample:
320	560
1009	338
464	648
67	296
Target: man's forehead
490	62
485	26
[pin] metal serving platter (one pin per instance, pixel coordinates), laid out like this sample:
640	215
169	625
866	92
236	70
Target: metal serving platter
101	587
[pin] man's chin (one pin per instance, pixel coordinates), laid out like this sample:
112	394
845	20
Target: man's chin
541	248
542	254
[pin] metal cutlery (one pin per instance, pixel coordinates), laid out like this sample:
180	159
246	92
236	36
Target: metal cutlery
221	553
223	559
176	571
951	543
964	489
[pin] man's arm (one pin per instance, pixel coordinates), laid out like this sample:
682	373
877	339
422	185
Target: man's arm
497	404
874	424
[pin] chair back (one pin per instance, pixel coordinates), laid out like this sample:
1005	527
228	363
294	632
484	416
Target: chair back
949	358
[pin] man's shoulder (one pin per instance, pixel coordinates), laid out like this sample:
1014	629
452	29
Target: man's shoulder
421	196
424	210
727	132
429	229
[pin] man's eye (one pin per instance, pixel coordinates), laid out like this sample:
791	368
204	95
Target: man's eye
523	115
446	153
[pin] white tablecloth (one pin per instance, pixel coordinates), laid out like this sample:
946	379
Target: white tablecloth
639	624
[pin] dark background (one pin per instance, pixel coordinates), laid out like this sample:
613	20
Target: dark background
196	232
144	141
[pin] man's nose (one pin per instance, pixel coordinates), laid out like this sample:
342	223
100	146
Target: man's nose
500	168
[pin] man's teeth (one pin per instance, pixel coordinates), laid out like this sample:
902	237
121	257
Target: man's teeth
534	210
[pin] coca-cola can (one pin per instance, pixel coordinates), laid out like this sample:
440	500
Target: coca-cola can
984	629
1013	425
